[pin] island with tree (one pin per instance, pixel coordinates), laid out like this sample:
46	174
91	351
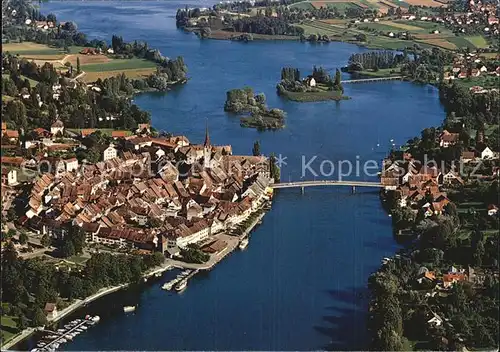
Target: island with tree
318	86
244	100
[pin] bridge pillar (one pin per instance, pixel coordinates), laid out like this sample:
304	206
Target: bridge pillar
302	189
353	189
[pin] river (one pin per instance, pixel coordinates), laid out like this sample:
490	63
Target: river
301	283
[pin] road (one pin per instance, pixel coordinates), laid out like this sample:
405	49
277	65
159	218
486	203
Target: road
326	183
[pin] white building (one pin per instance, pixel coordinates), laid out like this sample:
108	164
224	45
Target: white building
9	177
109	153
487	153
57	126
71	164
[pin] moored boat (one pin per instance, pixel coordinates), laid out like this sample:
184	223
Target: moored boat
181	286
243	244
128	309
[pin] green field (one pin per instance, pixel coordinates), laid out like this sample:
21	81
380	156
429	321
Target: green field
119	65
483	81
342	6
478	41
9	328
303	5
304	97
384	72
461	42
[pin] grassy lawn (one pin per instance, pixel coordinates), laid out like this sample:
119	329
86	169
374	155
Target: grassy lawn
303	5
483	81
77	259
384	72
29	48
33	83
119	65
6	98
461	42
478	41
9	328
314	96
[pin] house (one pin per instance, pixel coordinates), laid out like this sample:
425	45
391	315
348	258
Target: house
391	34
71	164
492	210
89	51
467	157
451	178
87	132
452	277
311	82
9	176
118	134
447	139
50	310
11	135
483	69
110	51
486	153
475	72
57	127
143	127
109	153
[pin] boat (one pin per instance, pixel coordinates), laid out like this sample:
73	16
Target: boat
167	286
68	337
96	318
181	286
243	244
83	327
128	309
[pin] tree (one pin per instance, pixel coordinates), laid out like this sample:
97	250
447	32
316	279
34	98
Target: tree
78	68
23	238
39	319
256	149
22	322
46	240
68	249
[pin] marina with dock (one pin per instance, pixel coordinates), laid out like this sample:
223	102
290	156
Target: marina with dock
53	339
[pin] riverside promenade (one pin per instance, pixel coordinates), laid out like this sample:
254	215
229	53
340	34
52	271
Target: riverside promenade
78	304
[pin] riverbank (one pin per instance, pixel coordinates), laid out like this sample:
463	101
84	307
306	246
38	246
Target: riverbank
80	303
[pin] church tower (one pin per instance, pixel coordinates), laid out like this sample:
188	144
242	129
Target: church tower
207	149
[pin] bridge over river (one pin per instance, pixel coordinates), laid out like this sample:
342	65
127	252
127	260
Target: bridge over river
303	184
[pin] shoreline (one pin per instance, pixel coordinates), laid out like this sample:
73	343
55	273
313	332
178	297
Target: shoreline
77	304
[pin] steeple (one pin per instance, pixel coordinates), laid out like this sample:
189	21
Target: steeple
207	137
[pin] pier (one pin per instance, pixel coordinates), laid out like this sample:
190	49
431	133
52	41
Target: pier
52	344
368	80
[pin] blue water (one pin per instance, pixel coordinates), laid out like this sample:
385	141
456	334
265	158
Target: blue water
301	283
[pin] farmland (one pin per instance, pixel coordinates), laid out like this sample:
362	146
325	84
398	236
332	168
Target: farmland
478	41
94	66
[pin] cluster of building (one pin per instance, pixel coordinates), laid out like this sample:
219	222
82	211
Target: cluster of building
419	187
151	193
469	66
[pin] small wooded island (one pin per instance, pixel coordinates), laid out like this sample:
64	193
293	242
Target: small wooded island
318	86
244	101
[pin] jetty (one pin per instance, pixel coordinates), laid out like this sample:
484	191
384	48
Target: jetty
375	79
186	275
52	345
